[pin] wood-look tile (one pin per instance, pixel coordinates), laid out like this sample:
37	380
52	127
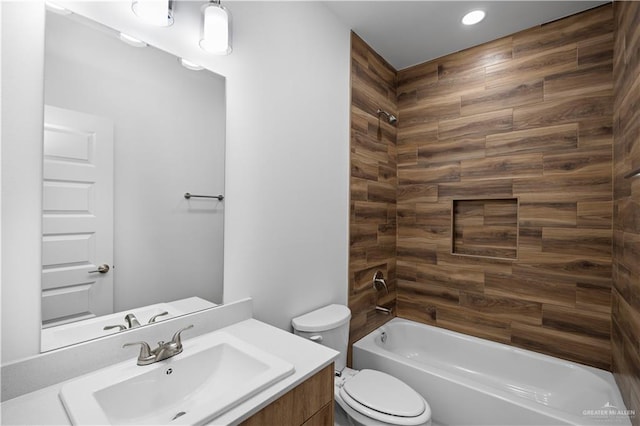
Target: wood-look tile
583	81
416	309
576	320
595	215
596	51
363	235
593	298
477	125
416	76
450	277
573	29
484	264
469	81
421	174
580	162
430	110
381	192
418	193
523	311
590	188
416	249
374	146
561	111
572	346
548	214
436	213
496	188
532	67
424	134
526	165
539	139
479	324
429	292
583	268
501	97
454	149
595	132
434	234
460	63
526	285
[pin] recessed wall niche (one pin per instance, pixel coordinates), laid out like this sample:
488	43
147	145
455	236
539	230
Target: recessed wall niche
485	228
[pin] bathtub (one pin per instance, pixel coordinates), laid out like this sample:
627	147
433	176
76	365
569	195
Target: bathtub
472	381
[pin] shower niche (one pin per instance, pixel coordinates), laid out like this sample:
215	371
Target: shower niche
485	227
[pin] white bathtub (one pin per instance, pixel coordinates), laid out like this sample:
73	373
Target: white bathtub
472	381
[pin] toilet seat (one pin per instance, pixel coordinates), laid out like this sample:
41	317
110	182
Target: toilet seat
382	397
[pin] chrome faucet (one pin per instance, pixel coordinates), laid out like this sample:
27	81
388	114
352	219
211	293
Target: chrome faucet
132	321
163	351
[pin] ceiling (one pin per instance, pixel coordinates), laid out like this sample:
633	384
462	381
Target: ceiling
407	33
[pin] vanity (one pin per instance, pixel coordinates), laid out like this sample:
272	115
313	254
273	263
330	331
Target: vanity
301	394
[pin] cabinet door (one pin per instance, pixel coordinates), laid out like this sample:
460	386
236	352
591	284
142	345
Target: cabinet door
310	403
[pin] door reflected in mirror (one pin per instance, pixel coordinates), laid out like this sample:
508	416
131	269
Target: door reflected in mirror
127	132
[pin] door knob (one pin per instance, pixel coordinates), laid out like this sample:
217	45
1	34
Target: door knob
103	269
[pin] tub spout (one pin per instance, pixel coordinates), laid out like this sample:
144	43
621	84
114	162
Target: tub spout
386	311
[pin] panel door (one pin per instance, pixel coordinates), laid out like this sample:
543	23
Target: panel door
77	216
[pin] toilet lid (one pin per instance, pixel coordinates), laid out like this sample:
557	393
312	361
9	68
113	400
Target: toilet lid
384	393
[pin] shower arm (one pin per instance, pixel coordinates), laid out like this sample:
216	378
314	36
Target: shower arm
390	117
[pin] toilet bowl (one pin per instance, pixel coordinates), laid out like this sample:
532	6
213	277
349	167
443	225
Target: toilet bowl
367	397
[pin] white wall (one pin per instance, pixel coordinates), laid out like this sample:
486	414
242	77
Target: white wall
287	160
22	69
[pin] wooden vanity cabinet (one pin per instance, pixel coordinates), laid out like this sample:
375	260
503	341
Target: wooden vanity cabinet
308	404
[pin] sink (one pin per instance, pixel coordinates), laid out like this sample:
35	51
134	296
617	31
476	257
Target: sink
214	373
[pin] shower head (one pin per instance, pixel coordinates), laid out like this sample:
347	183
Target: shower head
392	119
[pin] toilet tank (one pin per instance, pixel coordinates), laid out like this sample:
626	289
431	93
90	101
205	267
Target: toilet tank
328	326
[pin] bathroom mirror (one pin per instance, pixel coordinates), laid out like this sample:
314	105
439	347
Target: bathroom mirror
127	132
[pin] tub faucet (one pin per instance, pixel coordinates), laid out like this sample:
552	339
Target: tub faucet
132	321
163	351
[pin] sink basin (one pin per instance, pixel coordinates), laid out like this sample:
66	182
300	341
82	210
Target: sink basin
215	372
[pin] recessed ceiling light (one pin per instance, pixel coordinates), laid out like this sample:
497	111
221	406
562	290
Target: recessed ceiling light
132	40
473	17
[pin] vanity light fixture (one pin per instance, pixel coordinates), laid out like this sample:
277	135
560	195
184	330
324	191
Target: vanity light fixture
215	32
473	17
154	12
190	65
132	41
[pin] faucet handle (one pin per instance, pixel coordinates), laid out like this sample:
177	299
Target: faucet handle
176	337
145	350
120	327
155	317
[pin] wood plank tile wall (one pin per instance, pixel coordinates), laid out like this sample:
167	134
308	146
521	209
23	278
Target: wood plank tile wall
373	187
626	235
527	116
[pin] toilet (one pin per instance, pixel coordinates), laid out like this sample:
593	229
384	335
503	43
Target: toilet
368	397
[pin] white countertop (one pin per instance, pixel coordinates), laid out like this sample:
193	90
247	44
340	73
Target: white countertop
43	407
